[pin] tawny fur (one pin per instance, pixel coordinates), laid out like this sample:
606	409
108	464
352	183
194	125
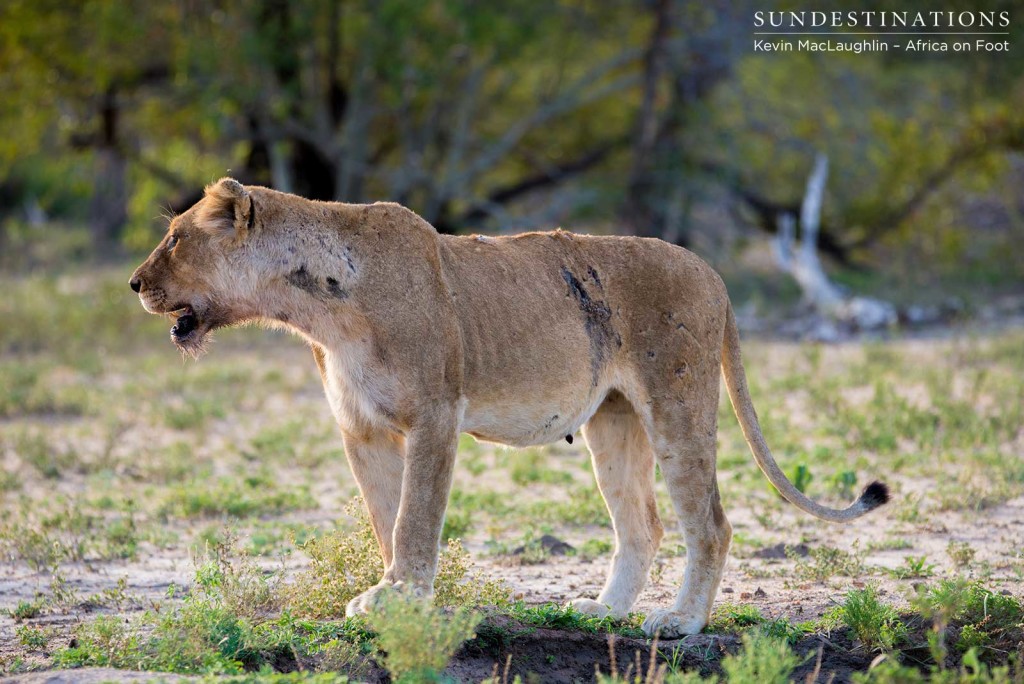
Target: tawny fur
518	340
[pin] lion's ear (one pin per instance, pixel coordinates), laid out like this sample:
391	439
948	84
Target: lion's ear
227	209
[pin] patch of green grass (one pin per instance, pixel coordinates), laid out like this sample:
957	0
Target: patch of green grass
457	523
913	567
457	586
800	476
73	316
534	465
215	630
989	618
49	459
226	623
875	624
594	548
825	562
554	616
972	670
29	390
889	544
68	534
193	413
732	617
526	550
343	564
583	506
237	497
301	677
491	502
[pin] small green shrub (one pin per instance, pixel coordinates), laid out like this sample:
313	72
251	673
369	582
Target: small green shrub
26	610
343	564
800	476
456	586
913	567
32	637
763	660
825	562
874	623
961	553
418	640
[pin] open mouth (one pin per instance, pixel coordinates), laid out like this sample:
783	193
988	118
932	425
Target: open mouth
185	325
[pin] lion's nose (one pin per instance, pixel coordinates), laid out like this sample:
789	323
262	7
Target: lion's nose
135	283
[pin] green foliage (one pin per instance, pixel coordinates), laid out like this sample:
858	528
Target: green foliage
237	497
215	630
554	616
593	548
731	617
961	553
419	640
583	506
844	483
986	618
343	564
825	562
456	586
32	637
913	567
69	533
762	660
534	465
875	624
457	523
972	670
800	476
26	610
300	677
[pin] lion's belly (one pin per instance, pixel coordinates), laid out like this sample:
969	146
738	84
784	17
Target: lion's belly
522	425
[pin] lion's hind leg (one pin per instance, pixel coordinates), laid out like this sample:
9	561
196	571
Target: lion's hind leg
624	466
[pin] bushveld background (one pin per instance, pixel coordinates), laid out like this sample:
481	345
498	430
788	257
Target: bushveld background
187	518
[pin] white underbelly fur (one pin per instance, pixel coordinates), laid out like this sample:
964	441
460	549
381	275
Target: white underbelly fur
524	424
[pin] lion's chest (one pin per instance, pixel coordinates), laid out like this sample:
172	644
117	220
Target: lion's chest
358	396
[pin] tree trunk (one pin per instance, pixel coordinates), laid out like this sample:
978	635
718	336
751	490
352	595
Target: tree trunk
804	264
640	214
109	210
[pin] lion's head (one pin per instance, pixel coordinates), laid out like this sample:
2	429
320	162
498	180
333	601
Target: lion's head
197	272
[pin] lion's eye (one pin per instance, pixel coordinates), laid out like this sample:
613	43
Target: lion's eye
172	241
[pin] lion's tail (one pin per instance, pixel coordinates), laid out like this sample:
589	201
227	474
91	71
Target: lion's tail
873	496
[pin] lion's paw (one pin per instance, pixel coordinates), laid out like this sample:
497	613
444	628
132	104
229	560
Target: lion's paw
371	598
671	625
365	603
590	607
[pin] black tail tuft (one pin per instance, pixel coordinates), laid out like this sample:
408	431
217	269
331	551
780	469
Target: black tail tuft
874	495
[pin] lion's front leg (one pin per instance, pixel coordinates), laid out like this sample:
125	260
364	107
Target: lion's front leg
376	459
426	481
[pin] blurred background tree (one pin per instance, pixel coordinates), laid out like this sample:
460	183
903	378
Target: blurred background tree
654	118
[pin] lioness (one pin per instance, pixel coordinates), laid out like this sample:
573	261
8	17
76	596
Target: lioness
518	340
